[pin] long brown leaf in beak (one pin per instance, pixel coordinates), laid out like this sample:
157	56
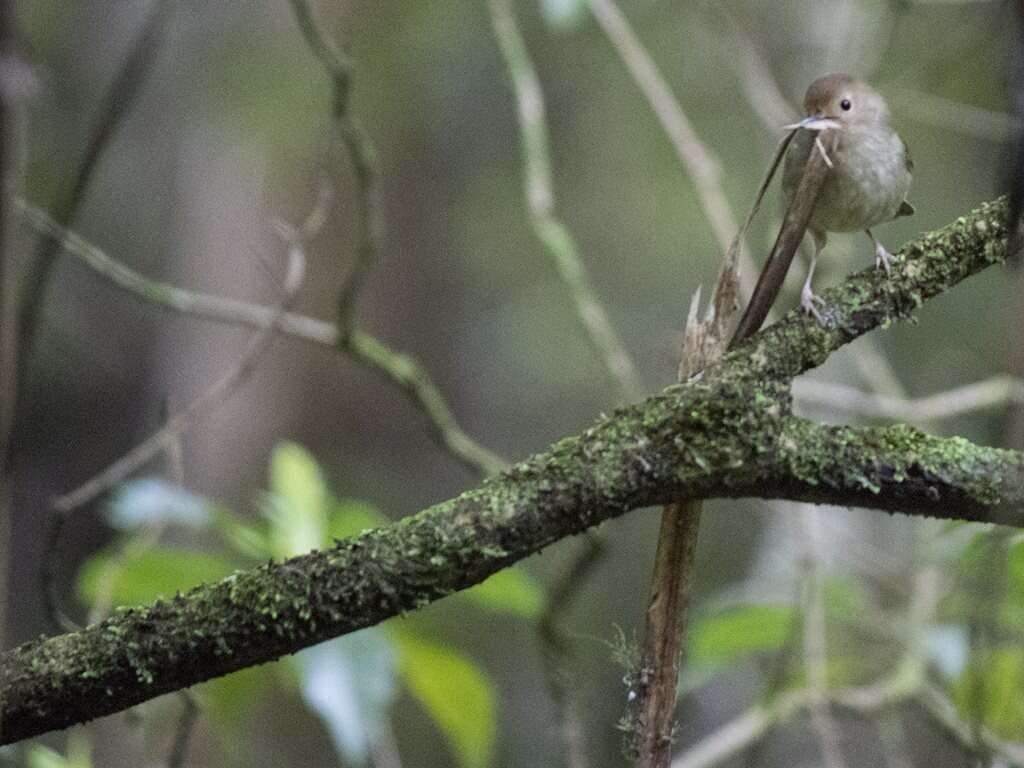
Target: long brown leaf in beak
794	226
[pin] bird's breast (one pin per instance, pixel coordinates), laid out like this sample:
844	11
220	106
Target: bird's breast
866	185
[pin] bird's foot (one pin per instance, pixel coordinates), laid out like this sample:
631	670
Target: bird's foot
883	258
809	302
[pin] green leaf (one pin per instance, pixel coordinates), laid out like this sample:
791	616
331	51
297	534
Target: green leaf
135	578
456	694
297	506
350	517
737	632
989	691
509	591
79	754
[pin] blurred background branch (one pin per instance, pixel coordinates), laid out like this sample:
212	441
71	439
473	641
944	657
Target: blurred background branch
540	198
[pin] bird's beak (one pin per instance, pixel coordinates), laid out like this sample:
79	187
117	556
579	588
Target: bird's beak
818	122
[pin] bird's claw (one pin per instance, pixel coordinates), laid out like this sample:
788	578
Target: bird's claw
808	302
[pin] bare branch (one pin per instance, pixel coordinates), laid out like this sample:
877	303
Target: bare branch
540	197
198	409
697	159
907	679
955	116
15	85
994	392
338	67
365	349
115	105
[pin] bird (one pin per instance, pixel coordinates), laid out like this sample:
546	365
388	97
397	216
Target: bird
869	167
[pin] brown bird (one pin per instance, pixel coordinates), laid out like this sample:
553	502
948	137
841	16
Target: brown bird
870	167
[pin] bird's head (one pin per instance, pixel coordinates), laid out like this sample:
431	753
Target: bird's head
841	101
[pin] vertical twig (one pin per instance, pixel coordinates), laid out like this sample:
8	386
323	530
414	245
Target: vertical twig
651	714
116	103
540	197
556	650
815	645
15	82
12	72
338	66
650	719
699	162
186	723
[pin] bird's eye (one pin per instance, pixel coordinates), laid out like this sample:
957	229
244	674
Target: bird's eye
845	104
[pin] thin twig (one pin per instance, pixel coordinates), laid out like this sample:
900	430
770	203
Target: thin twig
815	646
955	116
697	159
760	88
13	73
411	377
362	347
994	392
116	103
540	197
200	408
943	713
906	681
15	84
557	651
182	734
338	66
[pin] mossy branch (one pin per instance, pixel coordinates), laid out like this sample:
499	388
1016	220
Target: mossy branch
729	432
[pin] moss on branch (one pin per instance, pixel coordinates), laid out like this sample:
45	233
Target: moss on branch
728	432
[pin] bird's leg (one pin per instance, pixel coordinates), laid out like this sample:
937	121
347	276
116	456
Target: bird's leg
882	257
807	298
